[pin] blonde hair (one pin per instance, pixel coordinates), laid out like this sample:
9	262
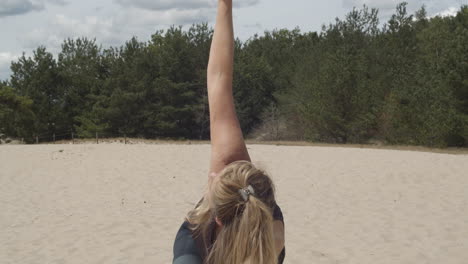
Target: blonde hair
247	232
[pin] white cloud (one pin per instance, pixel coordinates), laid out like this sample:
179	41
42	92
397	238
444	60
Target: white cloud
168	4
180	4
257	25
151	14
142	17
58	2
381	4
451	11
5	61
110	31
388	7
90	26
62	27
18	7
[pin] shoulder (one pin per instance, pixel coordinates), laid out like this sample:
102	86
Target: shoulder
277	213
185	247
278	226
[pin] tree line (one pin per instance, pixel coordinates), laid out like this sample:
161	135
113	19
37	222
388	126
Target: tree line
357	81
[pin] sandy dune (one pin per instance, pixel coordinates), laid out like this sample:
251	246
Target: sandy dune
114	203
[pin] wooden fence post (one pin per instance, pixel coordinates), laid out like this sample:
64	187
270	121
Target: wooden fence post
97	140
37	140
73	138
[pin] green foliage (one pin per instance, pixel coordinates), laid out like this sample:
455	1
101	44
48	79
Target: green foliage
38	78
334	87
397	84
353	82
253	89
15	113
82	70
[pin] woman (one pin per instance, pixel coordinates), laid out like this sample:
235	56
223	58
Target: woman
237	221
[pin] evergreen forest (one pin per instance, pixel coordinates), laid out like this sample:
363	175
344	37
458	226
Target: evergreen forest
358	80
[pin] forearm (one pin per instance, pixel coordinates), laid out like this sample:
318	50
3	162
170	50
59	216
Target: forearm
222	47
220	69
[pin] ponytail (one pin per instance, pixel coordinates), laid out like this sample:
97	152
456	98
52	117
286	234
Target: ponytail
246	235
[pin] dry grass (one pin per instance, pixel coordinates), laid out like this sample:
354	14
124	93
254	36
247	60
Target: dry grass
455	151
459	151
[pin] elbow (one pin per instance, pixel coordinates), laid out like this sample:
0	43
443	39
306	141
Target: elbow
219	70
218	74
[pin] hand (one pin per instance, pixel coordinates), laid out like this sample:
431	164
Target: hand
227	2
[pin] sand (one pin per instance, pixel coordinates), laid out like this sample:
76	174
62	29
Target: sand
115	203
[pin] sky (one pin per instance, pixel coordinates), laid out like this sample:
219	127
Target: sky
27	24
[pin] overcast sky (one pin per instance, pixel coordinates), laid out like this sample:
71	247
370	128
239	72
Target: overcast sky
26	24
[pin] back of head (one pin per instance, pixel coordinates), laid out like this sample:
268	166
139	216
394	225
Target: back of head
246	235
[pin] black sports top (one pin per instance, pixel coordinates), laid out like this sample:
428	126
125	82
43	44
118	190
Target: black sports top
188	250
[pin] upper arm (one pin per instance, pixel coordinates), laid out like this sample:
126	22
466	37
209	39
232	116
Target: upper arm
278	233
185	249
227	141
187	259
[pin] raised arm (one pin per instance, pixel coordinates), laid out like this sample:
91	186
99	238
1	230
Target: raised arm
227	142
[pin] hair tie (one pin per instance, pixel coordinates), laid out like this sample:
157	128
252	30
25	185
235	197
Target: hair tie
246	192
